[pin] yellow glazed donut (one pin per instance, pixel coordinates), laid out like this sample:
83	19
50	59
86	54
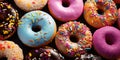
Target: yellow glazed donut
97	20
30	5
10	50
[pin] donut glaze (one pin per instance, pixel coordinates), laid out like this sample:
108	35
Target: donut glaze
8	20
96	19
36	19
78	30
10	50
30	5
44	53
61	13
106	42
118	18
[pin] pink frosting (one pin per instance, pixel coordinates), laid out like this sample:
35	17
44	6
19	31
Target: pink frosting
106	42
72	12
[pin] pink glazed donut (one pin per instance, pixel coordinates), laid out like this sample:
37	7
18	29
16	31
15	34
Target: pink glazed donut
106	42
65	10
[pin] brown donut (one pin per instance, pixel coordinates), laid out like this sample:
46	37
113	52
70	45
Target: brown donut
89	57
8	20
44	53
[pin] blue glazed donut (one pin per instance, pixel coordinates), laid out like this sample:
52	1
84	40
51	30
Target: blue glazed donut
36	28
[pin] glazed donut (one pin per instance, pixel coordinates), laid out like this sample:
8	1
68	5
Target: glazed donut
82	35
97	19
10	50
8	20
106	42
118	18
36	29
89	57
30	5
65	10
44	53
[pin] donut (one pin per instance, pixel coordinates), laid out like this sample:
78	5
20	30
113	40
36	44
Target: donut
10	50
118	18
89	57
100	13
44	53
65	10
73	30
106	42
36	28
8	20
30	5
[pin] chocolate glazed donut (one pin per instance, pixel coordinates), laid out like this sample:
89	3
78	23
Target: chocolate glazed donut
8	20
44	53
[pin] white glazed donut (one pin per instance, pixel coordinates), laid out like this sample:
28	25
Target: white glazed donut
10	50
30	5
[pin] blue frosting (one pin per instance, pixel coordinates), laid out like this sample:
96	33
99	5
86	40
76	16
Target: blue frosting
36	18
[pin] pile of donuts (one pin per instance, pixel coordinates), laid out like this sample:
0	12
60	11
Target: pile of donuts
60	29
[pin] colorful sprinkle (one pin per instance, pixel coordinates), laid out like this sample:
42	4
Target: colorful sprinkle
33	2
30	54
68	47
96	19
9	17
44	53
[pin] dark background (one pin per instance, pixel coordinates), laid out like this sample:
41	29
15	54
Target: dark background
26	49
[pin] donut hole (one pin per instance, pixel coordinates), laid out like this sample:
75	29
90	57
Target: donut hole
36	28
74	38
109	39
3	58
65	3
100	11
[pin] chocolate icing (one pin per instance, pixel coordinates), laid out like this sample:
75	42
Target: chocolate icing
8	20
45	53
89	57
